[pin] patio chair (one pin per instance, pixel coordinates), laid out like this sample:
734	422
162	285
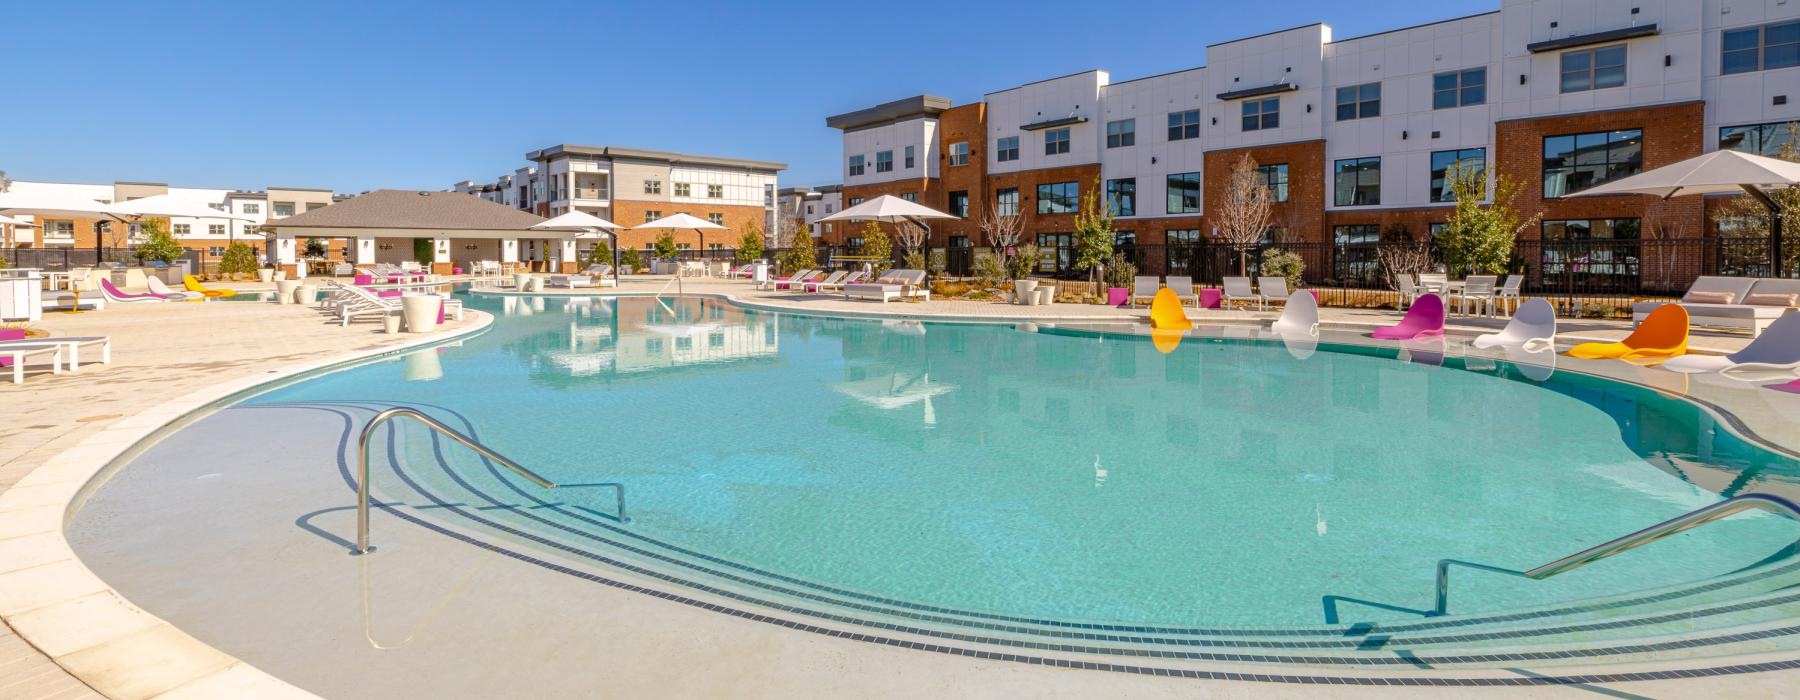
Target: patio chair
1409	292
113	294
157	286
1424	319
571	281
1664	333
796	278
1274	289
192	284
1434	282
1299	316
1238	289
1507	298
1534	326
1166	313
1777	348
835	279
1477	289
1143	287
1184	289
893	284
854	278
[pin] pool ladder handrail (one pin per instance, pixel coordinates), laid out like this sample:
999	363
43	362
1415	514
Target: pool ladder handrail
362	465
1673	526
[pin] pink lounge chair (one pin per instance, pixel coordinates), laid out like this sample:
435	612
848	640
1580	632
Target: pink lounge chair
114	294
787	282
364	280
1424	318
10	334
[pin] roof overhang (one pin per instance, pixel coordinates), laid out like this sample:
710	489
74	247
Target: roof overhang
670	157
389	232
1053	123
920	106
1570	42
1275	89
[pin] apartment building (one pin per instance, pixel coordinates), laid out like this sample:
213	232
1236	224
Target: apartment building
207	236
805	205
631	186
1353	135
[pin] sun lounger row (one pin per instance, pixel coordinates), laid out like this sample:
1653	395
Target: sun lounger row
63	352
349	301
893	284
1733	302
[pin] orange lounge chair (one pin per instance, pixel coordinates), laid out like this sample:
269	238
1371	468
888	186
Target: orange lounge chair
191	284
1166	313
1662	335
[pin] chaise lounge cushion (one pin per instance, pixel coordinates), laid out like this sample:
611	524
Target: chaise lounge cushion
1708	298
1772	299
1728	311
1705	289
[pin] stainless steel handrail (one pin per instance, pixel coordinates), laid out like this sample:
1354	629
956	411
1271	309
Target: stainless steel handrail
1673	526
362	466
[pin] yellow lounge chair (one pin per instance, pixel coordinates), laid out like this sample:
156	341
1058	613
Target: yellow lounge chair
1166	313
1662	335
191	284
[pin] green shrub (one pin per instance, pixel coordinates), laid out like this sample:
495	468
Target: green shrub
800	254
1281	263
989	273
1022	265
750	246
158	245
3	263
876	244
628	258
915	261
601	254
665	246
422	251
239	259
1120	272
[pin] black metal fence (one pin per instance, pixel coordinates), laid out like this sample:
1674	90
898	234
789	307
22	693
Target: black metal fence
65	258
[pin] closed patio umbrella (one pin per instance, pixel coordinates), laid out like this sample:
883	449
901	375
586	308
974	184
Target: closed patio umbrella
584	222
1712	173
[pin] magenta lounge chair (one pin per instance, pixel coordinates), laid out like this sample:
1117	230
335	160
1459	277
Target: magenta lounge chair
1425	318
113	294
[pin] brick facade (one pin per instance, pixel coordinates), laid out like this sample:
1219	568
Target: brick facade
737	217
1303	214
1671	133
967	123
1085	178
930	192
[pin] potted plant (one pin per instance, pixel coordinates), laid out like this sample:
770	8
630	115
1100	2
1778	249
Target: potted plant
1119	275
1019	269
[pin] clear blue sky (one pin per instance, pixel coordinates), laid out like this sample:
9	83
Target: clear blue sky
355	96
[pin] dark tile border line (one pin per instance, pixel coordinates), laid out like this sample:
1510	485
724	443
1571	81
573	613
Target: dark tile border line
1344	631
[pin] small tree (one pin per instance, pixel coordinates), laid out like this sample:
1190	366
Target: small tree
1478	238
1002	230
911	237
665	246
1093	233
750	245
800	254
314	248
629	259
239	259
158	244
600	254
1244	215
877	245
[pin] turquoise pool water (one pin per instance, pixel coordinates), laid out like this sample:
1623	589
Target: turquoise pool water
1051	475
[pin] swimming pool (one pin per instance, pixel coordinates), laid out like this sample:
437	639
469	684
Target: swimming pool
1001	484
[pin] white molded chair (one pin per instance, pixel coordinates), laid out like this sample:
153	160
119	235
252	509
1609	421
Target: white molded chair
1299	316
1409	292
1777	348
1507	296
1479	290
1534	326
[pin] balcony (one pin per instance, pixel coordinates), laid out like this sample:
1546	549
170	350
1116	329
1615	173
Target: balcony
592	193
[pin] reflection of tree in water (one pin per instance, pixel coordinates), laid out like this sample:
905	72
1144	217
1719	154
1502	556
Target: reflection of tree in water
631	338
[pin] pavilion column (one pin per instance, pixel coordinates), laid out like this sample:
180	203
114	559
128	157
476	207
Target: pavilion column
286	256
569	264
365	251
440	256
509	252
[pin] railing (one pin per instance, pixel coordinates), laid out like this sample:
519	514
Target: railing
591	193
362	466
1666	528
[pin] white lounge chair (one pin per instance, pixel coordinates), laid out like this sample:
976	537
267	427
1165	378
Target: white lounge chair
835	279
1274	289
1533	326
571	281
18	351
1143	287
1183	287
1409	291
1732	302
157	286
356	302
1777	348
1238	289
893	284
854	278
773	283
1299	316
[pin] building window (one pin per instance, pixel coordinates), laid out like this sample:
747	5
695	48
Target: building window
909	158
854	241
856	165
1183	193
1598	254
910	196
1006	201
1182	236
1008	149
1121	195
1056	141
1459	88
1359	101
715	191
1275	175
884	161
1576	162
1184	125
717	219
1123	132
1355	257
959	153
59	229
809	210
214	251
1593	69
315	205
182	229
252	208
1441	161
215	229
1761	139
1358	182
653	187
855	201
284	208
1262	114
1058	198
959	203
1057	250
651	215
683	189
1766	47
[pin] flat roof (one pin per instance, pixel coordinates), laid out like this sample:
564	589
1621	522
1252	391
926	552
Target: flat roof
890	112
670	157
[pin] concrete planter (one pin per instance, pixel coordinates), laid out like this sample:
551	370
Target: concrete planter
1045	295
306	294
284	291
390	323
520	280
265	275
1024	292
420	311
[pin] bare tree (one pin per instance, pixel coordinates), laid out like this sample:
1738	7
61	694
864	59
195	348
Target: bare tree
1003	230
910	235
1244	215
1659	256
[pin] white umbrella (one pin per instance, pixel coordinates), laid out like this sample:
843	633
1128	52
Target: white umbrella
9	221
1716	172
683	221
52	203
164	205
577	220
888	208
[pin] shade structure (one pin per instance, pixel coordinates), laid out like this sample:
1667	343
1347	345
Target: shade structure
9	221
52	203
889	208
576	221
1711	173
164	205
680	221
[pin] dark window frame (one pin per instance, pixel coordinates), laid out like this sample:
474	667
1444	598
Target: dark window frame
1184	125
1275	176
1440	187
1261	114
1453	89
1058	197
1177	190
1361	101
1007	149
1056	141
1561	170
1121	133
1592	72
1358	188
1121	196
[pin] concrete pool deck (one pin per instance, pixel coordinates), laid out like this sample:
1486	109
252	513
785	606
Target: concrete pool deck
166	352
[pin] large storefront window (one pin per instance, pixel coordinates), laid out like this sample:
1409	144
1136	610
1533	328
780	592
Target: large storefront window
1575	162
1355	256
1591	254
